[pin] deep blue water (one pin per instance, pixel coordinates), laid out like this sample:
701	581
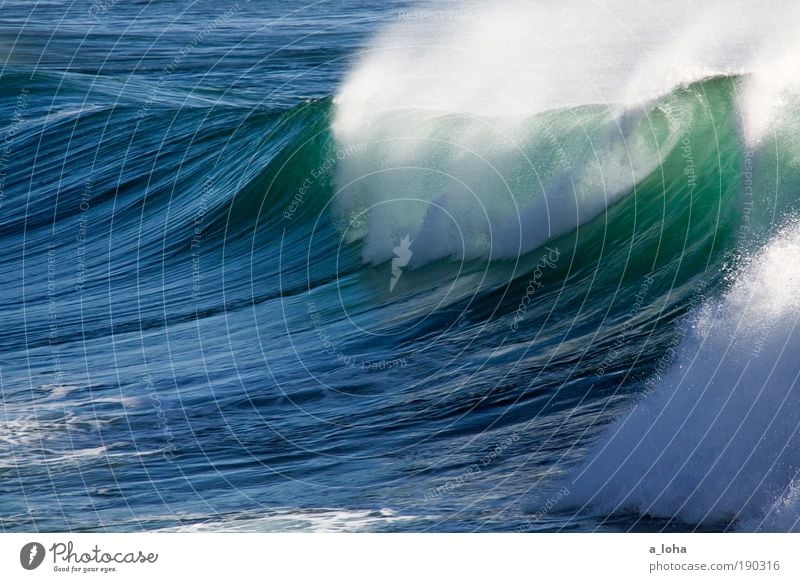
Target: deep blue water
207	319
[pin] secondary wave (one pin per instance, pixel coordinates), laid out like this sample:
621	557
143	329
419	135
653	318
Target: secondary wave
717	440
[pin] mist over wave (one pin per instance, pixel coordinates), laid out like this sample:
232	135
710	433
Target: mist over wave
399	266
487	134
490	135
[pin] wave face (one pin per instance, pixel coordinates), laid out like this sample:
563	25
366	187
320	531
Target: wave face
481	127
456	269
465	188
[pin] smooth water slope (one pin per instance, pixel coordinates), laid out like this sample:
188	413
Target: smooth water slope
399	266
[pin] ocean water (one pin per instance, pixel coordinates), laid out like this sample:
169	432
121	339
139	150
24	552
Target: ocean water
399	266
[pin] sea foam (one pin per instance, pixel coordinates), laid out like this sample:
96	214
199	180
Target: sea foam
718	438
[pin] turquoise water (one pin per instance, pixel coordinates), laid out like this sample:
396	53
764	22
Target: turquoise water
228	305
